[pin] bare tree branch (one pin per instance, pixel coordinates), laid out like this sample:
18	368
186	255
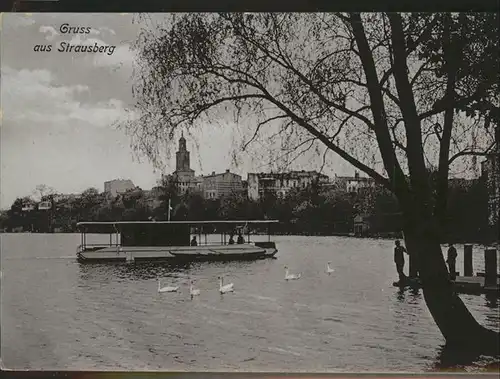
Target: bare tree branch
464	153
391	163
441	106
286	63
410	49
416	163
259	125
375	175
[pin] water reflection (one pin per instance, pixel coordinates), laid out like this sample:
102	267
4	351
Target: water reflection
414	295
104	272
415	292
453	359
491	300
400	295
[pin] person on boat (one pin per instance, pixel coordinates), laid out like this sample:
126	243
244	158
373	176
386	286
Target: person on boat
451	259
231	239
194	242
399	260
241	240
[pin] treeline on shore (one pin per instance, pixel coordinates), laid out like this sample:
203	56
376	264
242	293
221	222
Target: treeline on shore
311	211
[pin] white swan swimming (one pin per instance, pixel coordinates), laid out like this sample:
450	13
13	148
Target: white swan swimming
329	270
289	276
167	288
225	288
193	291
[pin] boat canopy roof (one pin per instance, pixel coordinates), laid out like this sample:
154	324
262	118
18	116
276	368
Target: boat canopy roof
115	226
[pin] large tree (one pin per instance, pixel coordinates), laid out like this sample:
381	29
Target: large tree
395	95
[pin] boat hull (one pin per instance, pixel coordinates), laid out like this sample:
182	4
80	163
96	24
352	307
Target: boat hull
184	254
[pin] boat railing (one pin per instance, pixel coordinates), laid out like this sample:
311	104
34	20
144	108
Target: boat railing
219	243
91	246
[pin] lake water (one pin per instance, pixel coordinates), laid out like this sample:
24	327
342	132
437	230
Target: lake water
57	314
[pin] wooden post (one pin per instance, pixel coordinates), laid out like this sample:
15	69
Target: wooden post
490	268
412	270
412	260
468	260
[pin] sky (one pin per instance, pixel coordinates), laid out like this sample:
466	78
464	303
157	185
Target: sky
59	108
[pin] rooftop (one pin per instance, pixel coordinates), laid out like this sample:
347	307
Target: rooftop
219	174
288	174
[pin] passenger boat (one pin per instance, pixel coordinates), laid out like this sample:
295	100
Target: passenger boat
131	241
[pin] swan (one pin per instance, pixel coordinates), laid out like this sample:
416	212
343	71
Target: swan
289	276
225	288
166	289
329	270
193	291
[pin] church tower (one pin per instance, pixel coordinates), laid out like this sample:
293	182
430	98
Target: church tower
183	176
182	156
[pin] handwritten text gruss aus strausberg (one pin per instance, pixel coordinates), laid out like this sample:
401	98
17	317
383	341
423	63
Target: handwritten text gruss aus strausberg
77	44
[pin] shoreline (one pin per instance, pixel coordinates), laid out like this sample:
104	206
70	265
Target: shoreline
379	236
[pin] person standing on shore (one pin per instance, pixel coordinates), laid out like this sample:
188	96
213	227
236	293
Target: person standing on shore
451	259
399	260
241	240
194	242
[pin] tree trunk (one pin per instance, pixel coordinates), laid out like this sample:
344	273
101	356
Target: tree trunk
456	323
444	148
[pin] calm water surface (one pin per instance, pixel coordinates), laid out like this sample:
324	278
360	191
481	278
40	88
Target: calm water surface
59	314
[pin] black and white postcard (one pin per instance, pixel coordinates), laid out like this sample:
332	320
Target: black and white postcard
256	192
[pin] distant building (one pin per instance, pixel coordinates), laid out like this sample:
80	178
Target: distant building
44	205
66	197
209	186
361	224
279	184
490	170
28	207
223	184
183	177
352	183
118	186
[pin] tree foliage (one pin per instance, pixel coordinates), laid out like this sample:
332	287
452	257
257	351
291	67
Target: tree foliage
333	79
311	210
